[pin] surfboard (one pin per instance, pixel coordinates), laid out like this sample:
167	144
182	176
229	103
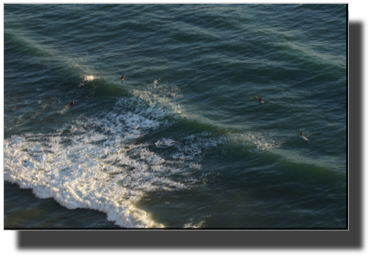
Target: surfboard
304	138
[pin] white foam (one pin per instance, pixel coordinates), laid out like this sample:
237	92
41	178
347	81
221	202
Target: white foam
196	166
90	77
193	225
93	163
164	95
255	141
87	176
64	109
165	143
87	78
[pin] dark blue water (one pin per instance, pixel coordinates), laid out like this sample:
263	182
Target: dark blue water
183	141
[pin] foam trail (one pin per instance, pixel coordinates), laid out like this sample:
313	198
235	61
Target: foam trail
94	164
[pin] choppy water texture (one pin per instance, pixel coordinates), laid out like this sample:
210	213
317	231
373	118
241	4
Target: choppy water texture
181	142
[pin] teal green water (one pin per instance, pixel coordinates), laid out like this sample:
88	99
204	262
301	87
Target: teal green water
182	141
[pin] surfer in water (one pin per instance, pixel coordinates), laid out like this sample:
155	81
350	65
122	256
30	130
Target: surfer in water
122	78
69	105
260	99
302	136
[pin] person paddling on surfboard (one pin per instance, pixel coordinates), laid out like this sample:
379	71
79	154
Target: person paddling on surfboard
302	136
72	103
122	78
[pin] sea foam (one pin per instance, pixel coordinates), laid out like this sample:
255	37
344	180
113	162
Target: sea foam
93	163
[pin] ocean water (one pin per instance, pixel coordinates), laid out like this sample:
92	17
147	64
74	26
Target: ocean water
182	142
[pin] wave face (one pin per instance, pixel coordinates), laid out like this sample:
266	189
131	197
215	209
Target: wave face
182	142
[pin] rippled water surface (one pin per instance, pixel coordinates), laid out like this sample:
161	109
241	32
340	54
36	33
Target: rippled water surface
182	142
